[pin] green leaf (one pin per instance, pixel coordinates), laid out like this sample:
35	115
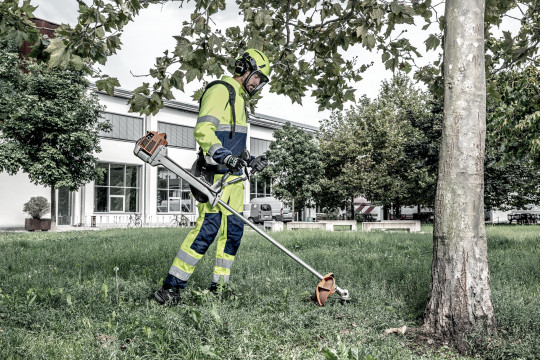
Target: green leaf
191	74
138	103
432	42
259	18
57	51
396	8
108	84
177	80
361	30
370	41
156	98
100	32
329	354
77	62
143	89
406	67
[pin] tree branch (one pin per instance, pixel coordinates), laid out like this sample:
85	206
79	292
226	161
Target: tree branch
508	65
132	74
345	17
287	23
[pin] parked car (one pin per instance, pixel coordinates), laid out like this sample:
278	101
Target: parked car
280	212
260	213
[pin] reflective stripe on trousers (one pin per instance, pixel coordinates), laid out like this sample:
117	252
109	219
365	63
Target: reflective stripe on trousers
211	221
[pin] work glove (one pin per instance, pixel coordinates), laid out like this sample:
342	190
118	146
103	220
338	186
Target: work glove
234	163
258	163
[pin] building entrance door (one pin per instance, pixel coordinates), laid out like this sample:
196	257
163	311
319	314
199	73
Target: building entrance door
64	206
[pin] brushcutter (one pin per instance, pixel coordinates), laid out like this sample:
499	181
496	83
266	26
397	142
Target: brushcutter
152	148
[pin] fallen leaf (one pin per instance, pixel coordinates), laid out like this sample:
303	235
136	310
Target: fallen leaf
400	330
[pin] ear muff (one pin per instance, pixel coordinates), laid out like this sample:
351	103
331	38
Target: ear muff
241	66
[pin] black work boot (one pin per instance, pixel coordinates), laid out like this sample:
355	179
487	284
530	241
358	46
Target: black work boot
171	295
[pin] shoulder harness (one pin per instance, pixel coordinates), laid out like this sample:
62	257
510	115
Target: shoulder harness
232	98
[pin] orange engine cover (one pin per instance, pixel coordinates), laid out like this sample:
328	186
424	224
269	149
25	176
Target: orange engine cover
151	141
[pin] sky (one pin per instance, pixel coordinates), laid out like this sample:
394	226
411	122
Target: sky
152	33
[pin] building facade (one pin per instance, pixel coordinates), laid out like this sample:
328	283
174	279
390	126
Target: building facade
131	186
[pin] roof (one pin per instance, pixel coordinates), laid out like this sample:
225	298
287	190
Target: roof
266	121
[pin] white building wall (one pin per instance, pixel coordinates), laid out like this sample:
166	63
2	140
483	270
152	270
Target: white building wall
17	189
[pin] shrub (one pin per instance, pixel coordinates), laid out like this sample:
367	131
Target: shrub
37	206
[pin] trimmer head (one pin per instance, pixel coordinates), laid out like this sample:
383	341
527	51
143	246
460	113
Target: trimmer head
324	289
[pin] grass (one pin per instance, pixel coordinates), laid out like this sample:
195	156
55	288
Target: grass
61	298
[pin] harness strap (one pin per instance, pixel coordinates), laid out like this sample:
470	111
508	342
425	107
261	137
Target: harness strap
232	99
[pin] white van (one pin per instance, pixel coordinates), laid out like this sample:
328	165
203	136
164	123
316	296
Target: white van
280	212
259	213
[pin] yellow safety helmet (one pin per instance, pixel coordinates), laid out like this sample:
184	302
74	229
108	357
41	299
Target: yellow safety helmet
255	61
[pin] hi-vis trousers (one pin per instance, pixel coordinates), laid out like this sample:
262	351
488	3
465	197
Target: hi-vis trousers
211	220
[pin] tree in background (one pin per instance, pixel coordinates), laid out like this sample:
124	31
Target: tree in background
294	167
514	113
513	141
385	149
341	150
49	124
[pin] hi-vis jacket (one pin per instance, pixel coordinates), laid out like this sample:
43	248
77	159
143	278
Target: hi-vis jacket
215	122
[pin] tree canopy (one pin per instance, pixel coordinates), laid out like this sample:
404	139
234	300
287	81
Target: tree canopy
383	149
305	40
294	167
49	123
514	113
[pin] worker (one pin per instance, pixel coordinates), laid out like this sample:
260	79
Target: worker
221	132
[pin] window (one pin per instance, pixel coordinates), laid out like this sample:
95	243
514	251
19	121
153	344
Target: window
118	190
123	127
258	147
178	135
259	188
173	194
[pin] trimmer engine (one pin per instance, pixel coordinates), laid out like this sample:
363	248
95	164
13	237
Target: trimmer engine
151	141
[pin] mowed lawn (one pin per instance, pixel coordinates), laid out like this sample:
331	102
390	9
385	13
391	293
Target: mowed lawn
61	297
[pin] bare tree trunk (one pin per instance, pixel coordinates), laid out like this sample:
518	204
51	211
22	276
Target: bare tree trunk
53	209
460	292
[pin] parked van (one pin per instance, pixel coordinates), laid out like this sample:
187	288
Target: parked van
260	213
280	212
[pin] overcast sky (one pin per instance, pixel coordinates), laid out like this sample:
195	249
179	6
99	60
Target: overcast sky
151	33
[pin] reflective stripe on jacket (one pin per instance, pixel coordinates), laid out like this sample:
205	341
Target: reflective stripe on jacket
214	123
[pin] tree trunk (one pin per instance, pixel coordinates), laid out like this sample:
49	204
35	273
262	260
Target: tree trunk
53	208
397	210
386	212
460	292
352	209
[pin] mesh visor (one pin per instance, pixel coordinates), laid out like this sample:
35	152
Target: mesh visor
264	81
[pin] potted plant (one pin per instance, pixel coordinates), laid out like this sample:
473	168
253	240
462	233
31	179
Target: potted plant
36	207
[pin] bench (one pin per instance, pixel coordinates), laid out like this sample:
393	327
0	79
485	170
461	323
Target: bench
328	225
410	225
522	217
273	225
